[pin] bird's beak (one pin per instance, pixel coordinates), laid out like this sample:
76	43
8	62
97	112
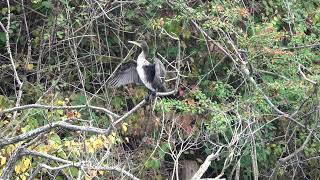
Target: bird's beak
135	43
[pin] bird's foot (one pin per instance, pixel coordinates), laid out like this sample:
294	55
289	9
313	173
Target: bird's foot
153	93
147	98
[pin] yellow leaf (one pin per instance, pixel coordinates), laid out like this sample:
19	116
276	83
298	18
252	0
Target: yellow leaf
23	177
98	143
67	144
92	173
88	177
29	67
24	129
124	127
10	149
60	112
17	169
90	148
77	114
112	138
3	160
26	162
59	103
186	34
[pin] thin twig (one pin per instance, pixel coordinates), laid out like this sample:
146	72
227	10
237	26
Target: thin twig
301	47
301	148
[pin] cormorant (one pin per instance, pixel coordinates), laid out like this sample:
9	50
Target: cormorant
141	72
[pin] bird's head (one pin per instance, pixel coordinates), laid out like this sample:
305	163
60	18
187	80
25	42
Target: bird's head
142	44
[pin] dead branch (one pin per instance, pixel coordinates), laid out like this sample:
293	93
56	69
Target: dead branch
15	156
82	165
41	106
61	124
22	151
301	47
203	168
6	31
304	75
301	148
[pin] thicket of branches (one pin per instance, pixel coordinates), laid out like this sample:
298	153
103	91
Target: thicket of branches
243	79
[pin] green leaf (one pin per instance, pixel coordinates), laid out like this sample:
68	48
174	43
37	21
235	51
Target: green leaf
4	102
74	171
79	99
60	34
153	164
65	2
62	154
56	139
164	148
47	4
33	122
4	11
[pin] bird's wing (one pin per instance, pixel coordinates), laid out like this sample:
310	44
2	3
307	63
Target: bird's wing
125	75
160	72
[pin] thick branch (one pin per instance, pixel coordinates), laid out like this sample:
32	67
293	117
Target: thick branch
67	163
62	124
203	168
15	156
7	170
41	106
22	151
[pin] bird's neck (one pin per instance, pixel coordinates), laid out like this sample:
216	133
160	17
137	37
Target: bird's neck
142	59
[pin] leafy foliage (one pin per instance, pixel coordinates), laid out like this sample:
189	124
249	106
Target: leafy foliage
64	52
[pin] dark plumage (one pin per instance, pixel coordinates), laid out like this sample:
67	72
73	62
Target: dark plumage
127	74
142	72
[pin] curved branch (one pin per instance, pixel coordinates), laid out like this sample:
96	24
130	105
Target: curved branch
68	163
22	151
287	158
203	168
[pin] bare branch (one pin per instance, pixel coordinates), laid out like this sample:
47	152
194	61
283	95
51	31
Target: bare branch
301	47
304	75
301	148
22	151
7	170
203	168
15	156
6	30
41	106
62	124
